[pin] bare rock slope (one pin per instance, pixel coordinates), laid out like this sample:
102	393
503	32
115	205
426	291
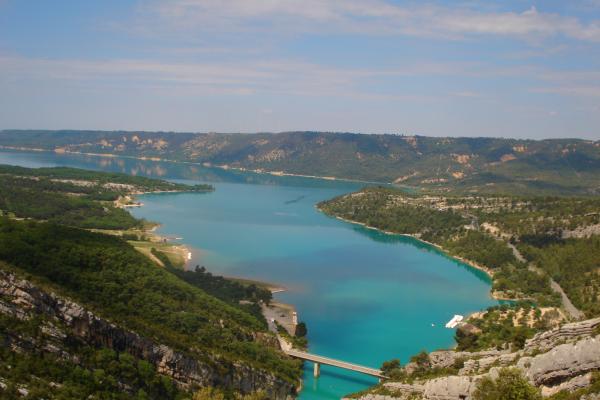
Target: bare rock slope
66	322
560	359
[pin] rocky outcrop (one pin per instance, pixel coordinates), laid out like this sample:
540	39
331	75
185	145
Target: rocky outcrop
450	387
571	385
568	332
67	321
376	397
449	358
563	362
444	388
404	389
561	359
483	364
468	362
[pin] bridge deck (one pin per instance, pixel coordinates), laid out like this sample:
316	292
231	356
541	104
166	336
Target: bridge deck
336	363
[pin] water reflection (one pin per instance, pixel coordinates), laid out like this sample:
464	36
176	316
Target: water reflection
389	238
166	169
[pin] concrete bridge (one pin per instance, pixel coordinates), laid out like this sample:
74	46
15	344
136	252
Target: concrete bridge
318	360
272	314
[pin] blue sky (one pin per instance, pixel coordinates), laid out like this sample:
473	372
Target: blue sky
439	68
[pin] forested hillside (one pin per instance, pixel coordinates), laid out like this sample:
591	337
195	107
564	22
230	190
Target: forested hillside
84	313
482	165
75	197
541	251
524	242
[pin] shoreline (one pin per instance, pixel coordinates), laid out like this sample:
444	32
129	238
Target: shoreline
272	287
284	314
472	264
187	253
164	245
202	164
496	295
183	251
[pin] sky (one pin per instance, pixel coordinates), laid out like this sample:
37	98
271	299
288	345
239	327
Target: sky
510	68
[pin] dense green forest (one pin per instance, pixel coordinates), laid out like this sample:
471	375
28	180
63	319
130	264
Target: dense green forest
209	318
245	296
113	179
97	374
481	165
390	210
575	265
481	248
29	198
75	197
373	207
108	275
551	232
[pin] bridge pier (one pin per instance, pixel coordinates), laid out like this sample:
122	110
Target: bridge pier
317	370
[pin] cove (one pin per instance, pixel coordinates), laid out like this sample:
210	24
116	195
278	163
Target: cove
366	296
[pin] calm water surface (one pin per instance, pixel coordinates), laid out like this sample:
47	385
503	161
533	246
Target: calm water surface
366	297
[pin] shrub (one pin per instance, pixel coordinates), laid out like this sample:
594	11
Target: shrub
510	385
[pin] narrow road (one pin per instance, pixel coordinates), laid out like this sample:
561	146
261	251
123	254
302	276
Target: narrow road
573	311
516	252
567	305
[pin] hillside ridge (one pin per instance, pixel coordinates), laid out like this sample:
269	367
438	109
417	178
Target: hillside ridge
482	165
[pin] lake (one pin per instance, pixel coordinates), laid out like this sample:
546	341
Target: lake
365	296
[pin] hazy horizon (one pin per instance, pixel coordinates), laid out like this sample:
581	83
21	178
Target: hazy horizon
295	131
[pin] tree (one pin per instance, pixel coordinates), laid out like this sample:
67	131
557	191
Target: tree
392	369
390	365
519	338
510	385
421	359
301	330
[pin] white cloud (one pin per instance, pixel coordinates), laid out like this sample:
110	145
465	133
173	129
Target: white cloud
277	76
362	16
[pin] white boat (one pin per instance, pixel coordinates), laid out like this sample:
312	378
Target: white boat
454	321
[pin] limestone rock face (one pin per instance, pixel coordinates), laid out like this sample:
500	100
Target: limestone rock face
444	358
474	363
406	389
450	387
444	388
569	332
573	384
569	355
70	321
563	362
483	364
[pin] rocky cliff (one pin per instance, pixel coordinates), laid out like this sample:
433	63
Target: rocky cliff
560	359
66	323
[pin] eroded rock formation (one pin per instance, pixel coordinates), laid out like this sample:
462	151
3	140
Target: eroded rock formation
560	359
66	321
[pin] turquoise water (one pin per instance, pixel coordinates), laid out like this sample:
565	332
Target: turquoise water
366	296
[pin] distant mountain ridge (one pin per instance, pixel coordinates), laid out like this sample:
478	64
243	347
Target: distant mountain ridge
551	166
